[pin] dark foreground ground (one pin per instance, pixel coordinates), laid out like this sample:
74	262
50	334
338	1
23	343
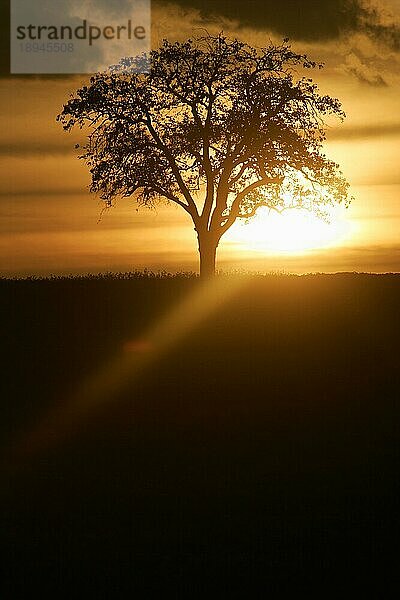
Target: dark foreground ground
262	448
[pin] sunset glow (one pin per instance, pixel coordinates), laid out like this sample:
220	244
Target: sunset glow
293	232
200	291
50	221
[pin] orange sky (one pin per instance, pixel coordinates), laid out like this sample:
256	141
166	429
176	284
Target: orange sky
49	221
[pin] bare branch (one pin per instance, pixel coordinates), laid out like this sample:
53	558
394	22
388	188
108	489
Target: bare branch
234	212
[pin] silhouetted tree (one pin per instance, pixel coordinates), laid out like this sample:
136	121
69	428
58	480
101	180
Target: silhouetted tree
216	126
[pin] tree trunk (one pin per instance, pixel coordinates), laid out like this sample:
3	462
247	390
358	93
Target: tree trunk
208	252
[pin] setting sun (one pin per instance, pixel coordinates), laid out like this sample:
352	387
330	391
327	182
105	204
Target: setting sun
292	232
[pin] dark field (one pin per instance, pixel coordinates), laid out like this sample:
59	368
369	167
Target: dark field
261	448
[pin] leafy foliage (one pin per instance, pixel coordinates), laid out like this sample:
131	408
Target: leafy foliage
216	126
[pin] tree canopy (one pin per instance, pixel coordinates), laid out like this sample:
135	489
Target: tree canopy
216	126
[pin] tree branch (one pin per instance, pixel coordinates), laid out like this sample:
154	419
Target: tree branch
191	206
234	212
206	212
172	198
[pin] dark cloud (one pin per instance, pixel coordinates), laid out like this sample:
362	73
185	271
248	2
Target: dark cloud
64	147
364	71
371	80
387	33
4	38
308	20
114	8
359	132
34	148
5	47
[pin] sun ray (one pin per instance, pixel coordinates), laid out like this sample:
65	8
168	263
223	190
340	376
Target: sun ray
136	355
